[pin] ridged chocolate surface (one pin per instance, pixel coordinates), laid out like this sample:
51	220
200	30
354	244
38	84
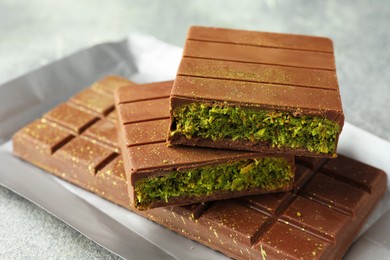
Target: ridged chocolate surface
318	219
143	124
258	70
77	141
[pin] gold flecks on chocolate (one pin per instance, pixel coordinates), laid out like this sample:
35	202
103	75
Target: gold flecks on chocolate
92	100
258	73
108	84
114	171
46	137
182	219
84	153
71	118
105	132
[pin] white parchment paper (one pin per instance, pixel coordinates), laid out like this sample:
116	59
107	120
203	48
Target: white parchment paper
145	59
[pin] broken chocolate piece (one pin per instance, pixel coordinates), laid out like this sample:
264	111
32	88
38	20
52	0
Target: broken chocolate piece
257	91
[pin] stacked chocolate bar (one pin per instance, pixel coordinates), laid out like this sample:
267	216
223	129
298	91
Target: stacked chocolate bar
211	155
159	175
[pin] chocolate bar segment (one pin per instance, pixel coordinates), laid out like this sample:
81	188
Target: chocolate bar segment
161	176
309	222
257	91
77	141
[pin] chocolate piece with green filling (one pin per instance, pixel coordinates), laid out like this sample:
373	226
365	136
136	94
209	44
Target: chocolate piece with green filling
160	176
256	91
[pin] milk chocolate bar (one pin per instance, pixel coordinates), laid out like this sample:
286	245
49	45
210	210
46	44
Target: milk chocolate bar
257	91
318	219
160	176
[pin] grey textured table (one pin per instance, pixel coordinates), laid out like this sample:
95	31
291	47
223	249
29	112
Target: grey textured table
34	33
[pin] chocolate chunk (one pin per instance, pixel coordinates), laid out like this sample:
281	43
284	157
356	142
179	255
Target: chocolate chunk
318	219
257	91
160	176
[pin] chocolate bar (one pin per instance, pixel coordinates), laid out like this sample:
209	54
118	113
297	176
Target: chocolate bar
257	91
160	176
318	219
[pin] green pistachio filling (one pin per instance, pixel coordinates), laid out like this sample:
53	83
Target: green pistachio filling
269	173
279	129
